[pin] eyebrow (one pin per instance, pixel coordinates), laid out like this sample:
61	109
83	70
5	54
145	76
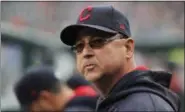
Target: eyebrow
90	38
80	40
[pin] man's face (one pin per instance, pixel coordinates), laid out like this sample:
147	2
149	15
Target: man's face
97	56
50	101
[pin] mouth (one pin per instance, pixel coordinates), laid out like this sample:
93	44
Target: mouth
89	67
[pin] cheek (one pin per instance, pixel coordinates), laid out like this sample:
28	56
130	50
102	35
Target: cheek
78	64
45	104
108	58
59	101
108	62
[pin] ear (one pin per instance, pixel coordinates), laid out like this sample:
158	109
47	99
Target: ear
129	44
45	99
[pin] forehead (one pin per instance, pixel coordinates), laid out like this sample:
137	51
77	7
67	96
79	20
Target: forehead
91	33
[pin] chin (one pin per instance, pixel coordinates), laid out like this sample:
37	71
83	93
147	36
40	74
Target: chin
92	77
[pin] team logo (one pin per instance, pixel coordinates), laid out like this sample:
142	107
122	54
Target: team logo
85	14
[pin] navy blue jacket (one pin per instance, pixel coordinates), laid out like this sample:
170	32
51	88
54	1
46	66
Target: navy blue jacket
82	104
141	91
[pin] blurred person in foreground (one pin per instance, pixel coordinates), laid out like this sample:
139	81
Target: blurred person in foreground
175	85
84	92
40	90
81	86
104	50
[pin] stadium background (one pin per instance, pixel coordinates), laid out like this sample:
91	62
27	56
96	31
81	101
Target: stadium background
30	36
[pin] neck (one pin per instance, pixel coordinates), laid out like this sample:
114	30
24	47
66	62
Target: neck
106	83
68	94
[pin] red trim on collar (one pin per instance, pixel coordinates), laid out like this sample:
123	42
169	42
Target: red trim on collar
85	91
141	68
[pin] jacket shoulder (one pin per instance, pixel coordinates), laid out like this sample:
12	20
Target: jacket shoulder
143	102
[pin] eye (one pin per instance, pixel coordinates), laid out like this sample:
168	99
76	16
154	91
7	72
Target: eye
97	42
78	47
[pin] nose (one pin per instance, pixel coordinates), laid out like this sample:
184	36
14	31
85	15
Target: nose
87	51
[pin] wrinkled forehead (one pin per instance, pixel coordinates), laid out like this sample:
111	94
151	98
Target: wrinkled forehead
92	33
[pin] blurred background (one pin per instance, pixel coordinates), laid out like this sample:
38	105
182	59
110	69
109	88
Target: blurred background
30	35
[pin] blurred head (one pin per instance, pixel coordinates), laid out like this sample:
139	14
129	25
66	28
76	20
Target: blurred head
76	81
81	86
171	66
40	90
101	41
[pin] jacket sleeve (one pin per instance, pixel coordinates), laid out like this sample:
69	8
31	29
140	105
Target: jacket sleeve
81	104
79	109
143	102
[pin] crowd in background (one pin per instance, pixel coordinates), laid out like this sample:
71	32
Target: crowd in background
146	17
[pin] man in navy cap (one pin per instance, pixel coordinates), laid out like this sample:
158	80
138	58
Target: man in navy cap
40	90
104	48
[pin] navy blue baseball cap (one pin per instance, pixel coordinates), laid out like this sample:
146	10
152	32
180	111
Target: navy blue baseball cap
35	80
103	18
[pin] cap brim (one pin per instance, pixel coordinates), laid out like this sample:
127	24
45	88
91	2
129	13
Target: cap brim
68	35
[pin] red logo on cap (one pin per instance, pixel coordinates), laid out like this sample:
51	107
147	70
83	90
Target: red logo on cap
83	16
122	26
